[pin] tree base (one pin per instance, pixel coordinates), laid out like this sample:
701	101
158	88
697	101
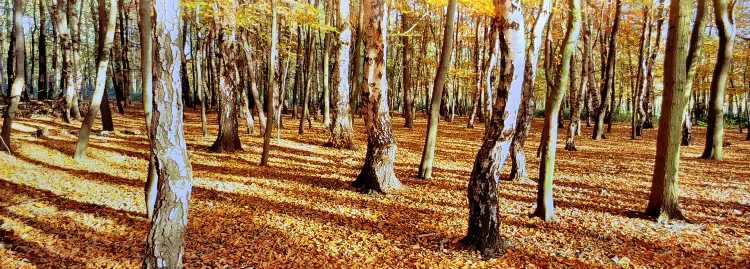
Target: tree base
570	146
488	250
370	183
661	216
542	214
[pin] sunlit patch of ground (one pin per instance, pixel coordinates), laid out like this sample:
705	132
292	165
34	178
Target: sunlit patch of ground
301	213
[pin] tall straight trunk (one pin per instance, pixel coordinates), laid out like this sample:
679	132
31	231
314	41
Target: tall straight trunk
18	82
577	91
165	243
106	37
199	75
664	203
428	155
545	208
406	77
484	224
43	80
308	80
639	111
478	81
357	77
186	96
54	80
724	14
518	171
228	139
297	74
609	80
68	77
327	71
272	88
341	131
377	174
77	69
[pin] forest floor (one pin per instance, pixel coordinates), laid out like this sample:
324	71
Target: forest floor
301	212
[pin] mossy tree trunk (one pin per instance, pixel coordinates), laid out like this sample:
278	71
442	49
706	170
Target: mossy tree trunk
544	203
724	14
664	198
428	154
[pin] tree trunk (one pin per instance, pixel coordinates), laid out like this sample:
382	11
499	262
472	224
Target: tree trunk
544	204
377	174
518	171
106	37
297	74
327	71
228	139
724	14
18	82
484	224
694	53
341	131
408	94
428	155
75	38
199	75
272	88
43	80
357	77
188	100
308	81
609	78
664	199
639	111
165	244
577	91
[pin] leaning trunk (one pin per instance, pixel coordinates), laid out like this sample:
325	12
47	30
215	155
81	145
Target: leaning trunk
484	223
106	36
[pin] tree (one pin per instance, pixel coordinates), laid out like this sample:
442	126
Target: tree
199	75
43	80
545	208
18	82
228	139
106	36
406	79
664	203
165	244
694	53
484	224
272	85
639	111
518	170
75	61
609	79
147	63
377	174
724	14
428	155
341	130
